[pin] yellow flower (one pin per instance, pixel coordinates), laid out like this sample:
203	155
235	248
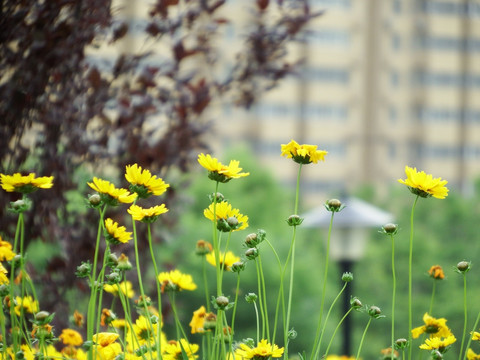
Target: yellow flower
424	185
439	343
3	275
27	303
228	218
303	154
28	352
71	337
147	215
144	332
116	234
198	319
219	172
25	184
226	260
105	345
6	252
476	336
110	194
264	350
125	286
176	281
118	323
173	350
143	182
436	272
434	327
471	355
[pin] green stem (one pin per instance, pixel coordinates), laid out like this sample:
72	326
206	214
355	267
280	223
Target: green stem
464	314
260	299
237	290
315	349
290	293
336	330
394	289
326	319
264	296
159	293
410	262
258	322
363	338
477	320
205	283
280	296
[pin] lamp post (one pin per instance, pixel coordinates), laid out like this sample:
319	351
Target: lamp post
348	242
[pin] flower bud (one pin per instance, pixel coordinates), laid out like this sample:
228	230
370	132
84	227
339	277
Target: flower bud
238	266
463	266
17	261
292	334
83	270
210	321
251	253
232	221
333	205
374	311
112	260
123	263
251	298
143	302
19	355
16	205
4	290
436	355
219	197
113	278
401	343
347	277
251	240
94	200
356	303
203	247
222	302
294	220
390	229
41	316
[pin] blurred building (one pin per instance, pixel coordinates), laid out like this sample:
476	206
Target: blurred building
386	83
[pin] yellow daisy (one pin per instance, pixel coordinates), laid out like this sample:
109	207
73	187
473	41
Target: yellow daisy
228	218
3	275
226	260
198	320
143	182
105	346
27	303
438	343
144	332
71	337
471	355
116	234
176	281
424	185
434	327
125	287
219	172
173	350
147	215
110	194
303	154
25	183
263	350
6	252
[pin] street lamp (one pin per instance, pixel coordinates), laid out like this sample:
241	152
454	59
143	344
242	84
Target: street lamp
348	241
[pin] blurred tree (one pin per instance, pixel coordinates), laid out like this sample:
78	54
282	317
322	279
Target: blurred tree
61	110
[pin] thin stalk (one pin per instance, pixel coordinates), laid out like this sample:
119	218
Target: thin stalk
236	302
159	292
205	283
326	319
430	309
258	322
363	338
464	315
477	320
264	296
410	262
280	296
318	334
394	289
336	330
260	299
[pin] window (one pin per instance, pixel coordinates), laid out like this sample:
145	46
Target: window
330	75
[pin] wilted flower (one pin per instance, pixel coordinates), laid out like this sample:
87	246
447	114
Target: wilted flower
436	272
